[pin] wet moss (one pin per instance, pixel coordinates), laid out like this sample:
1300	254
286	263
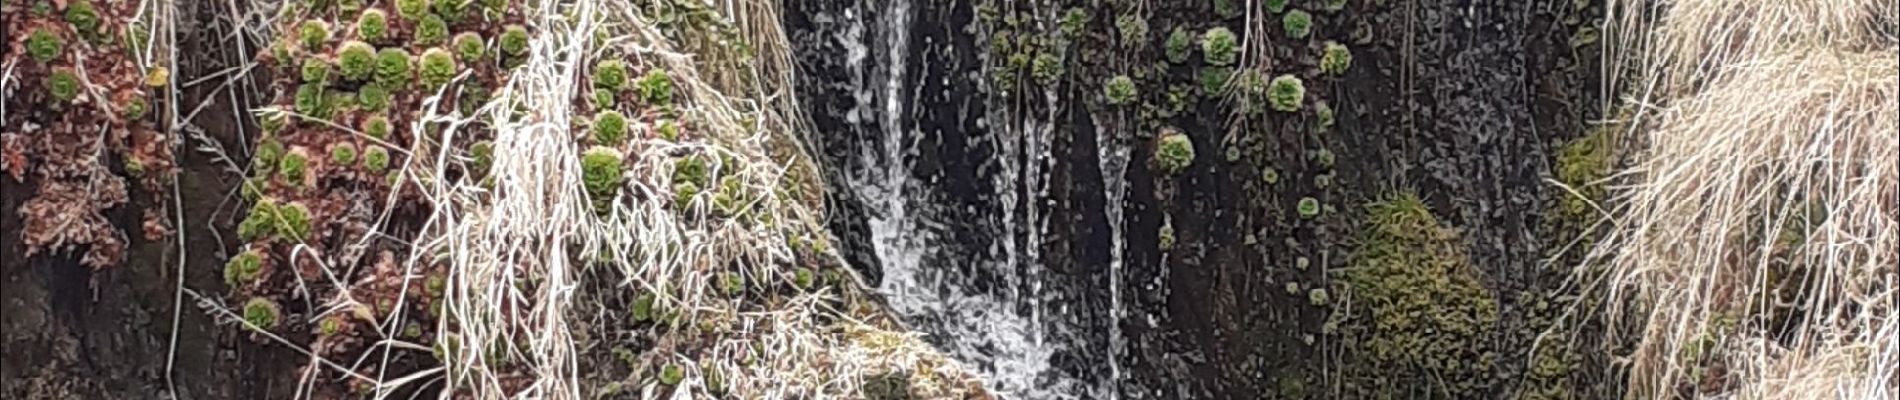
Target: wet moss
601	175
261	313
1119	90
1297	24
356	60
1174	152
412	10
293	221
1219	47
291	166
44	46
438	68
63	85
376	126
312	34
372	25
243	268
392	68
343	154
1214	80
1427	314
375	159
1179	45
1286	93
1583	164
1335	59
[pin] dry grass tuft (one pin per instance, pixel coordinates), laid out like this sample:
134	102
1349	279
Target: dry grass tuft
1754	251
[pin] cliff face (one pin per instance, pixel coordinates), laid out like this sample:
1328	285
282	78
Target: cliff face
976	159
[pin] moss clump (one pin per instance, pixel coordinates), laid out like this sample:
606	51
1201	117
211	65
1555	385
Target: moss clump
803	278
603	98
1132	28
514	41
84	18
356	60
438	68
342	154
313	33
1276	6
470	47
1332	5
1324	157
1297	24
672	374
1174	153
63	85
376	126
1227	9
1164	239
44	46
309	100
1214	79
373	97
1219	47
261	313
372	25
451	10
1583	164
432	31
483	155
1335	59
1318	297
1073	21
293	221
1047	69
412	9
1325	114
610	128
267	155
601	174
375	159
134	109
1270	175
657	88
642	309
291	167
1309	207
260	222
669	130
316	71
330	326
1285	93
1120	90
392	68
610	75
1426	315
243	268
1178	46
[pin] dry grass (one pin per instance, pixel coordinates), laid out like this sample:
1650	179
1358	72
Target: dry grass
516	251
1754	251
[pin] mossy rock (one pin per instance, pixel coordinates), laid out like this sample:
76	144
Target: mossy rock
1426	315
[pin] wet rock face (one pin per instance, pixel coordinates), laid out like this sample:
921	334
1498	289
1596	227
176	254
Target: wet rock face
1041	197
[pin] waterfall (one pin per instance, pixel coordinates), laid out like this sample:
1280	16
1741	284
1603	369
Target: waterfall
963	268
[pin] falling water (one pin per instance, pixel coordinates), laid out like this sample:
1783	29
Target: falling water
985	296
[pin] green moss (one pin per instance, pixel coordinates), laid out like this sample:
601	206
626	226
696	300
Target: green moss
438	68
1426	313
1073	21
376	126
260	222
643	305
293	221
1047	69
392	68
1325	114
261	313
374	98
657	88
1336	59
1227	9
669	130
63	85
1120	90
603	98
1214	80
470	47
1318	297
1332	5
1285	93
610	74
1324	157
732	283
1302	263
309	100
610	128
1297	24
474	96
1133	29
330	326
672	374
514	40
601	174
134	109
375	159
312	34
243	268
316	71
483	155
82	16
1583	164
412	9
451	10
803	278
42	8
1174	153
1164	239
1270	175
291	167
1292	288
372	25
44	46
342	154
1179	46
356	60
1219	47
431	31
1309	207
1276	6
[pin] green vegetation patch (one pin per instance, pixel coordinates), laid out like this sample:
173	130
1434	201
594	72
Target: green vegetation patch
1174	153
356	60
63	85
610	128
1120	90
1219	47
1179	46
1421	314
1286	93
1335	59
44	46
262	313
372	25
1583	164
601	174
243	268
1298	24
